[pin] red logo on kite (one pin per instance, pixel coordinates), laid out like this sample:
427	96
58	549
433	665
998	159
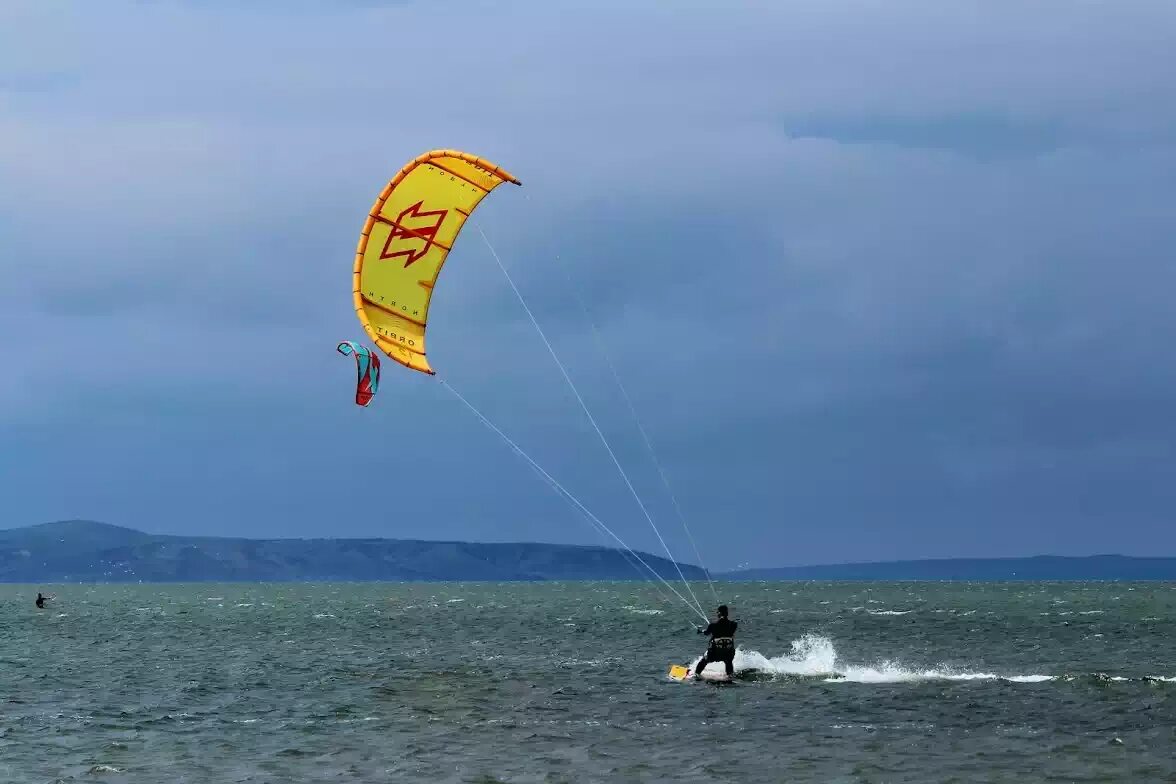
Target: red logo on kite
413	233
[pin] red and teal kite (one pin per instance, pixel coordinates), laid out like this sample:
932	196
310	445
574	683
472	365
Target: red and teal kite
367	365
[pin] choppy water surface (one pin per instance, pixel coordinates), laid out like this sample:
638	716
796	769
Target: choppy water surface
567	682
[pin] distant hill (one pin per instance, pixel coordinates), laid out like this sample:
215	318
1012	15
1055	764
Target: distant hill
1040	567
86	551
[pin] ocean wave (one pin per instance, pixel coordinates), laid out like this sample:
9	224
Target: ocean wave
97	769
814	656
1102	677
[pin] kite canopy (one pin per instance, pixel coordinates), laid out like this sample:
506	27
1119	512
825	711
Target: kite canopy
367	366
408	234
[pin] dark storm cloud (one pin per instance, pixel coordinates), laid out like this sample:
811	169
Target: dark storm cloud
883	279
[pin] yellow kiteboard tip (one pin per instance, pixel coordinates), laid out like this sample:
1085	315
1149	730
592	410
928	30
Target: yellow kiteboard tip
679	672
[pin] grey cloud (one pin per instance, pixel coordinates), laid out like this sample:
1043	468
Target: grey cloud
884	283
976	134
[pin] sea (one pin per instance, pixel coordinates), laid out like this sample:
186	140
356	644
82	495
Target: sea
567	682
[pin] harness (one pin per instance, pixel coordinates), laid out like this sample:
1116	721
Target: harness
722	642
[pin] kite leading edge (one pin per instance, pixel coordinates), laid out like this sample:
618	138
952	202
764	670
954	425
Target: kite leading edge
405	241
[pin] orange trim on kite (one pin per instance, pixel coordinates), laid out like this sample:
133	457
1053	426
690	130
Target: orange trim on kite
380	344
501	174
392	348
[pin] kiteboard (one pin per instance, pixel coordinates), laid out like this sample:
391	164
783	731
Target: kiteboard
714	674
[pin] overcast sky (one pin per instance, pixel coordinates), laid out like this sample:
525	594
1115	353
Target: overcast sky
884	279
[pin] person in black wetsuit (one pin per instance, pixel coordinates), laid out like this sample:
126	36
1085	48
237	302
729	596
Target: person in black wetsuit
41	602
722	643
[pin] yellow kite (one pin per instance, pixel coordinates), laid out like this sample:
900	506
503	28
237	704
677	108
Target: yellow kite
408	234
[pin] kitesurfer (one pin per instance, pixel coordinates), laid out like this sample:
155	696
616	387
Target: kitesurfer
722	643
41	602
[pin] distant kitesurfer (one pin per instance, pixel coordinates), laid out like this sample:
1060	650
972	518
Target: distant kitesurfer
41	602
722	643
